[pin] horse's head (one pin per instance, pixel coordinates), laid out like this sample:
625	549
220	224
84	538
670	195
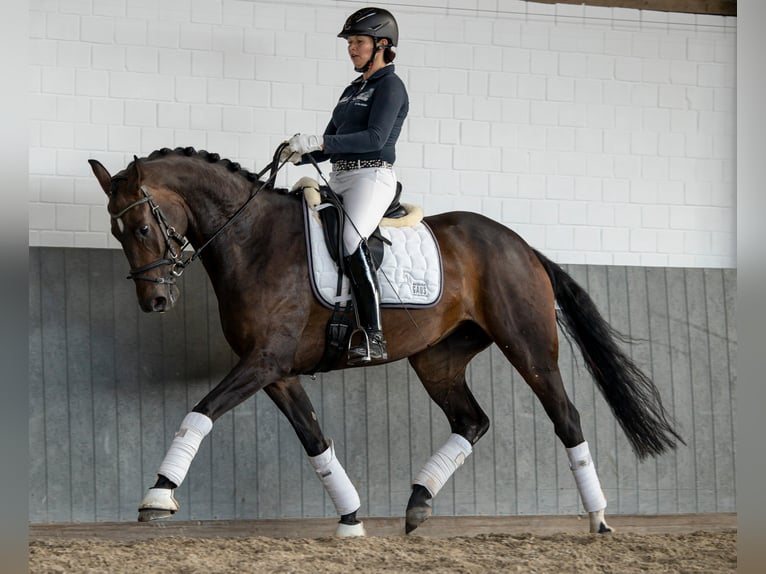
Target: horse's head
149	221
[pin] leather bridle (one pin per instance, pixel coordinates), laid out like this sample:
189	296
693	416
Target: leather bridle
171	256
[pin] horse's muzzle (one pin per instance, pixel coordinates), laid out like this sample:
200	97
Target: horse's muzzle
158	299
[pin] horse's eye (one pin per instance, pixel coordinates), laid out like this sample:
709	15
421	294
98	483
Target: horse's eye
144	230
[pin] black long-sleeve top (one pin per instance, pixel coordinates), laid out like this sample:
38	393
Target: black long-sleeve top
367	119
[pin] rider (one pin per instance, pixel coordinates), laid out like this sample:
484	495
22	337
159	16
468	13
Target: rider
360	143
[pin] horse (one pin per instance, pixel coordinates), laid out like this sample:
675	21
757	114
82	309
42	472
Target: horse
249	236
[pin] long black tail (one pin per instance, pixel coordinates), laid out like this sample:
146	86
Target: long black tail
632	396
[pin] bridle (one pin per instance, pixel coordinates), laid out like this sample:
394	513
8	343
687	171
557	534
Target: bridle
172	256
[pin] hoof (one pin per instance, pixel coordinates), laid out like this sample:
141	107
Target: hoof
150	514
157	504
598	524
415	517
350	530
604	528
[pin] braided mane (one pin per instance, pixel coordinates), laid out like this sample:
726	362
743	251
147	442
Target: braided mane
214	158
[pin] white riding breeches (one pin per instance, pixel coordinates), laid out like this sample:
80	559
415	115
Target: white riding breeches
367	193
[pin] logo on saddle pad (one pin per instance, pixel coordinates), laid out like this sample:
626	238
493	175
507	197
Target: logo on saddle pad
410	274
419	288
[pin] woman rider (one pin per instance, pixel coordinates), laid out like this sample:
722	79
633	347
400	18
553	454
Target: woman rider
360	143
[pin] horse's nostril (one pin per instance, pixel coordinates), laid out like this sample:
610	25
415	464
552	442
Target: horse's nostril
159	304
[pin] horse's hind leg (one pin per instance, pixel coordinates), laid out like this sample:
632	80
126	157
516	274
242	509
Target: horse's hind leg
291	398
535	357
441	369
549	388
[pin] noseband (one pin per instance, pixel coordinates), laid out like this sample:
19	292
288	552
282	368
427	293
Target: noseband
171	256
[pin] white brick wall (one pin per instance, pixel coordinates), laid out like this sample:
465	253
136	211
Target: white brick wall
601	135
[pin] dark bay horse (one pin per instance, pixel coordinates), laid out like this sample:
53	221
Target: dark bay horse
496	289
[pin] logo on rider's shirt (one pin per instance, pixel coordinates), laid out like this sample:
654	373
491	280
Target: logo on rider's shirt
359	99
364	96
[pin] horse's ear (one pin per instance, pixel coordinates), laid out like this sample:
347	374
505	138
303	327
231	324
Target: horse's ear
137	167
102	175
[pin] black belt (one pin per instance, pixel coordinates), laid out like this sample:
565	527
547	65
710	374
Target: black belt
349	164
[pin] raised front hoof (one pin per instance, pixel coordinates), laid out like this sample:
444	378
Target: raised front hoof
150	514
418	508
416	516
157	504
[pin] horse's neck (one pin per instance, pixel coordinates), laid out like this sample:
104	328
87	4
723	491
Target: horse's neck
229	239
212	209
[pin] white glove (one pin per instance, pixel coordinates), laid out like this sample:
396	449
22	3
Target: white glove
288	154
302	143
298	145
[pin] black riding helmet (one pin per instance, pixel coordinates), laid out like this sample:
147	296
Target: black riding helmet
375	22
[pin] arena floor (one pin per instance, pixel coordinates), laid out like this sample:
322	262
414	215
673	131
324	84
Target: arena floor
443	545
436	527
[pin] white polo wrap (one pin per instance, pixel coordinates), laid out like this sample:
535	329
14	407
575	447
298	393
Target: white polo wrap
335	481
177	461
586	478
444	463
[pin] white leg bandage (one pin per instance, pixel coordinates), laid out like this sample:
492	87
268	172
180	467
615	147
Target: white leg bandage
444	463
586	478
194	428
335	481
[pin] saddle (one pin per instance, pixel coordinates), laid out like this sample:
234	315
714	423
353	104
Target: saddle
342	321
333	216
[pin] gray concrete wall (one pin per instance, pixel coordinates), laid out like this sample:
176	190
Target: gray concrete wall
108	386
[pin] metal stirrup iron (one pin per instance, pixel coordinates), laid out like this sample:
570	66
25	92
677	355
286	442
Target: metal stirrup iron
367	357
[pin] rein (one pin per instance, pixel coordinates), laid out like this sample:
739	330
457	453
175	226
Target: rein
172	258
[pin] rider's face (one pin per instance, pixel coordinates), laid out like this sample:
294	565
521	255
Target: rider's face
360	50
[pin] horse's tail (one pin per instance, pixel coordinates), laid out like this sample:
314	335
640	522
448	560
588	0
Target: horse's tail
632	396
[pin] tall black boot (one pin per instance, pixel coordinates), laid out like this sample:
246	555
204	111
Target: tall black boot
364	286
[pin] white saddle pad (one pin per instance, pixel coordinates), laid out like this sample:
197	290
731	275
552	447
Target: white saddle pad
410	274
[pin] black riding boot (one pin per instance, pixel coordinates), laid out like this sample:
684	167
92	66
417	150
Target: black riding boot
364	285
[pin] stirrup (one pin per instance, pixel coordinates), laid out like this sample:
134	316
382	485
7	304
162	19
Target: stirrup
362	354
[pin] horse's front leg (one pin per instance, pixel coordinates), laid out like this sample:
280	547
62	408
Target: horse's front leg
441	369
291	398
244	380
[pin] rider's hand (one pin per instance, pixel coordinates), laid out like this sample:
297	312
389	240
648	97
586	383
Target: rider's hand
300	144
288	154
303	144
